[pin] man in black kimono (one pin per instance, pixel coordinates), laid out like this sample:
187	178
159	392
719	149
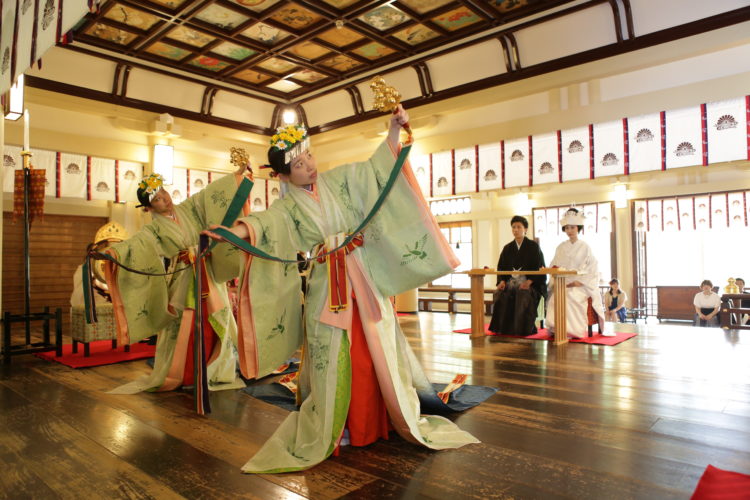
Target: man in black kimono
515	308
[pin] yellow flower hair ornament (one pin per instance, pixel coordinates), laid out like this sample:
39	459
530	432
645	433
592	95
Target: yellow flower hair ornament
292	140
148	187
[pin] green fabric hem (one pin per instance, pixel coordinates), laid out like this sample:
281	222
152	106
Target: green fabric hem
343	391
218	327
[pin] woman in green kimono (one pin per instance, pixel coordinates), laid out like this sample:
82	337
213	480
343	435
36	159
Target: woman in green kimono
165	305
359	377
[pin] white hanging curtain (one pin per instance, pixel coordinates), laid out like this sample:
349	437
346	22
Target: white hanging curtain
540	222
11	162
102	183
73	175
671	215
719	211
591	223
644	143
258	196
575	154
129	174
726	124
490	168
609	149
48	161
640	215
24	35
554	215
198	181
25	39
442	173
517	162
465	170
178	188
654	211
604	218
420	165
684	137
686	207
7	30
545	158
702	210
273	191
46	29
736	202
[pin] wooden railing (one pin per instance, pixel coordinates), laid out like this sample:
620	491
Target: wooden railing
731	316
425	302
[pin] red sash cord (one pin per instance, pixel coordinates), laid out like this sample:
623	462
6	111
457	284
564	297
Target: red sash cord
337	290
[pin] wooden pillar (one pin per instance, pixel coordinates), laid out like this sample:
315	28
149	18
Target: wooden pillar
561	324
477	304
724	315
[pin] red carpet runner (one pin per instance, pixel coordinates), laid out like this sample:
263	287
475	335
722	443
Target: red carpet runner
101	354
543	334
718	484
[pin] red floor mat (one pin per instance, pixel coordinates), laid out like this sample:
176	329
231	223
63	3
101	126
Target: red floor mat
101	354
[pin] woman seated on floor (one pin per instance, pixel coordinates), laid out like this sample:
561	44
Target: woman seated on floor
706	305
614	302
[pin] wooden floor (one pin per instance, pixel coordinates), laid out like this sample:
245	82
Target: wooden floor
638	420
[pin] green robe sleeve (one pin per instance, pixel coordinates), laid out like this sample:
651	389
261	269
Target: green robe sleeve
273	289
210	206
144	299
404	247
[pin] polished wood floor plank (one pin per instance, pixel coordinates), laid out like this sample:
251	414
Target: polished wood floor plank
637	420
181	467
65	462
231	433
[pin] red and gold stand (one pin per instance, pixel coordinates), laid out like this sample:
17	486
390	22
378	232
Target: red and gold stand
27	317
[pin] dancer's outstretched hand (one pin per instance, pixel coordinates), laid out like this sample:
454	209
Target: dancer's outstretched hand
209	232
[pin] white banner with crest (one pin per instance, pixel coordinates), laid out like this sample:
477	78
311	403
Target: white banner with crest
545	158
684	137
73	175
644	143
726	123
609	149
517	162
490	167
575	154
442	173
465	170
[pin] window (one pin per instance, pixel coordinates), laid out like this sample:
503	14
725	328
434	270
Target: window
597	232
450	206
692	238
458	235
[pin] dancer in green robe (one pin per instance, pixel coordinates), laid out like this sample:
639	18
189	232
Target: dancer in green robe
347	292
165	305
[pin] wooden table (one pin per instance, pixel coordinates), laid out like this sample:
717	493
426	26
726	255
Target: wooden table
477	299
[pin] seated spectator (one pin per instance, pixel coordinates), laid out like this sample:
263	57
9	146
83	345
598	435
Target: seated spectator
614	302
706	305
515	308
741	318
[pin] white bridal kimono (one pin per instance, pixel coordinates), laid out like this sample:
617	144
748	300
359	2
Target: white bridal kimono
578	256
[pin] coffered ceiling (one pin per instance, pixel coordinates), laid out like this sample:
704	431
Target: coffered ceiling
241	63
286	49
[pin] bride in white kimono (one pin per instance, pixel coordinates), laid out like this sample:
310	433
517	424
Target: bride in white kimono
576	254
